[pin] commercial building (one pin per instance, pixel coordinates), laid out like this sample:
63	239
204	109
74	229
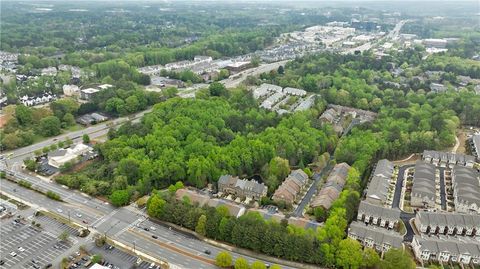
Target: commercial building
333	186
374	237
453	224
238	66
243	188
447	159
446	249
379	187
466	189
423	189
60	157
377	215
71	90
93	118
89	93
291	187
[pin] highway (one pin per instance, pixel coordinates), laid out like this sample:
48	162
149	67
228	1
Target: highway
235	80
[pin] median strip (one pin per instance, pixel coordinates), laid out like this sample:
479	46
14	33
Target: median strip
173	248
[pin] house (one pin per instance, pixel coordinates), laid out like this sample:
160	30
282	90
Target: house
423	189
474	143
466	189
291	186
374	237
377	215
234	209
453	224
333	186
60	157
294	91
378	188
437	87
71	90
199	199
445	249
265	89
272	100
447	159
244	188
88	94
238	66
38	100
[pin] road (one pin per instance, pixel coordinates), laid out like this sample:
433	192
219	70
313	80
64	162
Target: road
235	80
406	217
18	155
443	193
119	224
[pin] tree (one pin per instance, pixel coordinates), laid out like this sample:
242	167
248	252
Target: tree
96	258
258	265
64	236
217	89
155	206
281	70
86	139
241	263
349	254
397	258
23	115
201	225
69	119
49	126
120	197
223	259
370	258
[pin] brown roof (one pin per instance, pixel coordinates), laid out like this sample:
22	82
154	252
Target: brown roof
195	197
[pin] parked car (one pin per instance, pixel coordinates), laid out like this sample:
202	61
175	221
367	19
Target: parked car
13	254
208	252
154	236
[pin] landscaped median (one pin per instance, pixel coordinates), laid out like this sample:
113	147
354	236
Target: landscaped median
23	183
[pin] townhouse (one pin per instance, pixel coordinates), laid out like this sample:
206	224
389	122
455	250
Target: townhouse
374	237
423	189
333	186
444	249
291	187
466	189
377	215
447	159
474	142
453	224
243	188
379	186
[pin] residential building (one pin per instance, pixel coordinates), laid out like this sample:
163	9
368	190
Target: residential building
265	89
244	188
294	91
88	94
466	189
200	199
447	159
378	215
291	186
71	90
333	186
60	157
423	189
446	249
38	100
474	142
378	188
454	224
435	43
437	87
374	237
272	100
238	66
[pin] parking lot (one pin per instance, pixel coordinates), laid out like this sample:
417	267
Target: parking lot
25	246
118	258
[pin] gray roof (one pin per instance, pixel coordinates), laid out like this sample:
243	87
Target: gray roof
379	184
378	235
299	176
448	219
466	184
424	180
476	144
379	211
455	246
448	156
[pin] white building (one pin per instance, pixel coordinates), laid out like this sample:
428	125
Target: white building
294	91
62	156
71	90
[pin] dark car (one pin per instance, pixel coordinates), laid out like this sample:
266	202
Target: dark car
208	252
154	236
48	265
2	262
146	229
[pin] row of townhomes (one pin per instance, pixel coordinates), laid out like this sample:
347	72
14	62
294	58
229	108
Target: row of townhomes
374	237
291	187
453	224
443	249
447	159
332	187
241	188
423	189
474	142
466	189
381	187
378	215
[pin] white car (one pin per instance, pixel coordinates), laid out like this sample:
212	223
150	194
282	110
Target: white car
21	249
78	215
59	210
153	228
13	254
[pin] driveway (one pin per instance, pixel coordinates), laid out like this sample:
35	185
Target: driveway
443	198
